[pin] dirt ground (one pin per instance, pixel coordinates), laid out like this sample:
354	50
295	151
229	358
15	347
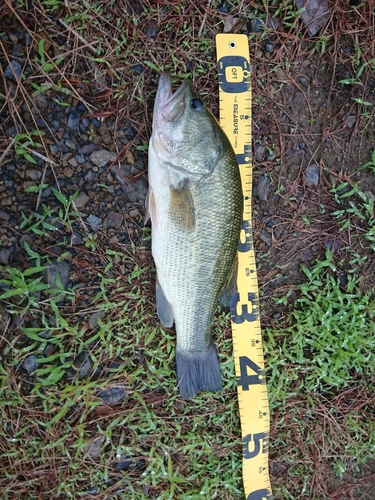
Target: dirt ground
313	128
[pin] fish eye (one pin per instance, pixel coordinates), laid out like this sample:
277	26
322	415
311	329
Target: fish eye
196	104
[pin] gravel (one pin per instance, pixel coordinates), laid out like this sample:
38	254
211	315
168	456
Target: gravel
102	157
13	71
113	220
57	268
311	175
30	363
73	120
95	222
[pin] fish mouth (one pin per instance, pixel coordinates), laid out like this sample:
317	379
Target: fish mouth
169	106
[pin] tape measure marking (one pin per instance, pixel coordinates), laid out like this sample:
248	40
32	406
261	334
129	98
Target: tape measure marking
235	118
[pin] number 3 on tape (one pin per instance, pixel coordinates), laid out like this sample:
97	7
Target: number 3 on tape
235	119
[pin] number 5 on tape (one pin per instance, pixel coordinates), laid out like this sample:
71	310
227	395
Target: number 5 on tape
235	118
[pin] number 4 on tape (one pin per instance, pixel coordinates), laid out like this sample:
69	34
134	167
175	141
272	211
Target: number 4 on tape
235	119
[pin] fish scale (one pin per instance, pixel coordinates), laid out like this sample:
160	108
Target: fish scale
195	203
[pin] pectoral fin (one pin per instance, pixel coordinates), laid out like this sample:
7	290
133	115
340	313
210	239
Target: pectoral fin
163	307
150	212
181	206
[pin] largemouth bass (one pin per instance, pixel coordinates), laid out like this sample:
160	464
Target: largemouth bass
195	204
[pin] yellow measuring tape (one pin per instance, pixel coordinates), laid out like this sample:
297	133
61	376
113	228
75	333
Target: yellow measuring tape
235	119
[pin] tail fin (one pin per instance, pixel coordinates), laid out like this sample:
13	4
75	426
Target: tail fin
199	371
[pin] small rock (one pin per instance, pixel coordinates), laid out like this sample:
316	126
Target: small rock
134	189
33	174
73	162
138	69
92	491
66	157
70	144
80	159
30	363
113	220
75	238
263	187
46	193
13	37
13	71
311	175
280	75
130	132
94	222
315	15
6	201
150	30
88	149
101	157
332	244
259	152
265	237
230	23
350	121
81	200
90	176
94	448
93	320
62	269
73	120
4	319
343	279
40	101
112	395
133	213
4	256
124	464
297	100
55	250
4	215
273	23
82	364
68	172
257	25
273	221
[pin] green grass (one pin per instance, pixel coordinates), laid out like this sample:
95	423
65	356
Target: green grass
320	364
49	421
51	417
330	334
58	438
